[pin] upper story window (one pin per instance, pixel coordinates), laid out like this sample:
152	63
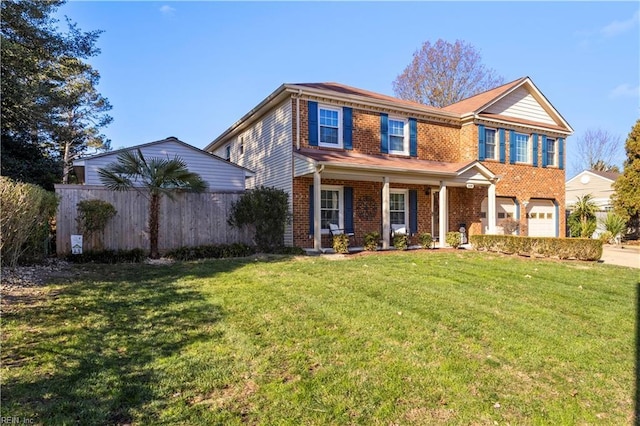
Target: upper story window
241	147
227	152
522	148
398	140
551	152
491	151
330	134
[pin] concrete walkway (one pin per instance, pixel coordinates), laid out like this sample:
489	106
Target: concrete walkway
621	255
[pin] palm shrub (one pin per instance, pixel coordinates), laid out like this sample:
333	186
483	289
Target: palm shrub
267	211
582	220
614	224
153	178
25	221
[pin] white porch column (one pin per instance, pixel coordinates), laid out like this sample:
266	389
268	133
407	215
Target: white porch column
386	219
443	215
491	210
317	225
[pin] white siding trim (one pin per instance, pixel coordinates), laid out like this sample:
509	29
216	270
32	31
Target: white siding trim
521	104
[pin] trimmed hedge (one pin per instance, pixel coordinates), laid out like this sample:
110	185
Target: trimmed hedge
562	248
108	256
211	252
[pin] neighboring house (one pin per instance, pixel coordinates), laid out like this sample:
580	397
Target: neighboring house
369	162
597	184
220	175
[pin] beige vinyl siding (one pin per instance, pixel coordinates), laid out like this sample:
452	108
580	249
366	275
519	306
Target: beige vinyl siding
302	167
521	104
268	148
600	189
220	175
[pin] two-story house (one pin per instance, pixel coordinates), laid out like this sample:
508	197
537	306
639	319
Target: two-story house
370	162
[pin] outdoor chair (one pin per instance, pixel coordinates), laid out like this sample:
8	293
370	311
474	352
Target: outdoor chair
334	230
399	229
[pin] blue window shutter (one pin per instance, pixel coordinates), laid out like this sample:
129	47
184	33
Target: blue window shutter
560	153
311	227
348	208
543	141
413	137
502	146
384	133
535	150
481	143
347	120
313	123
512	146
413	211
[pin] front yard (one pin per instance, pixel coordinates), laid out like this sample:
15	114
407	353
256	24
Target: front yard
425	337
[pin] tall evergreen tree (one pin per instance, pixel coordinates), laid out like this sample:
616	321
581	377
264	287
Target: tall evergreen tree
626	199
39	64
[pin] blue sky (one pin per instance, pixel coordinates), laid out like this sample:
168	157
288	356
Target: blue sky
191	69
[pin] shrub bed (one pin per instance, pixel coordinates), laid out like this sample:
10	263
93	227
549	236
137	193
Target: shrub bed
562	248
211	251
108	256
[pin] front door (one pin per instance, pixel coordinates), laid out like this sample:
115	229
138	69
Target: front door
435	215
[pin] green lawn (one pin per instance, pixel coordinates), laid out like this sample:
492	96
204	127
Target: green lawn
421	337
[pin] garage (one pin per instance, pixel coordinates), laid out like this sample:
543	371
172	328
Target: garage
505	208
541	216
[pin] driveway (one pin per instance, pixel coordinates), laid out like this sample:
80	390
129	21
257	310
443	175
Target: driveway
621	255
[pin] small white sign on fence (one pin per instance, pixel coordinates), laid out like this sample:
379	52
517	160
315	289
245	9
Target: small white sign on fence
76	244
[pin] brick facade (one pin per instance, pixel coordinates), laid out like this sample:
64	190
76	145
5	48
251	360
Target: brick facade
436	142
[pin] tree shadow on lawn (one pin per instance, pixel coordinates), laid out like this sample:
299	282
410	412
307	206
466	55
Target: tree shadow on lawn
90	355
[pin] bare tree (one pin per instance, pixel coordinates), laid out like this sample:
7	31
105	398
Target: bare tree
442	73
596	150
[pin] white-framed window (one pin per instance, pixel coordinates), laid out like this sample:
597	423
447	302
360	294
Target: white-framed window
551	152
522	147
331	207
329	126
227	152
490	144
241	145
399	207
398	136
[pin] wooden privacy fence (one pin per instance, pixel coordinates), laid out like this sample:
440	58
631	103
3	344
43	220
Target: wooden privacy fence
188	220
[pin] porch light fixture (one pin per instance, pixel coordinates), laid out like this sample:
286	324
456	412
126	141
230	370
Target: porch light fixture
427	191
469	186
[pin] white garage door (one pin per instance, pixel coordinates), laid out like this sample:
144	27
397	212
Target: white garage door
541	216
505	208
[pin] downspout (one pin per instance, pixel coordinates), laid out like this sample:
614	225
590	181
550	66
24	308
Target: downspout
298	120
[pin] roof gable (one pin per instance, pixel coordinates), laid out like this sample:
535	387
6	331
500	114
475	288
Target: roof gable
594	174
517	101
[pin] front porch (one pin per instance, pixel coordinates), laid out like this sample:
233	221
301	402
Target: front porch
367	193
